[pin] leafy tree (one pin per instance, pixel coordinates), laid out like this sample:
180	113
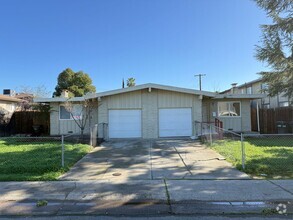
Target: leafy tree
277	46
130	82
77	83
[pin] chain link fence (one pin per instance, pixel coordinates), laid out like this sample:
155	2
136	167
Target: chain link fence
261	155
228	143
24	156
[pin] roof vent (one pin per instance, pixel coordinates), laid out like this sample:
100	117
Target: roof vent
233	87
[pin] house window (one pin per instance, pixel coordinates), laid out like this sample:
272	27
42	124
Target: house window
229	109
266	105
264	87
242	91
284	104
64	114
249	90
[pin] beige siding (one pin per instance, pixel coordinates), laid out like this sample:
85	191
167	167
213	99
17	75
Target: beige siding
125	100
167	99
242	123
94	115
103	117
196	112
256	88
245	115
8	106
149	102
54	119
207	110
150	114
230	123
58	127
68	126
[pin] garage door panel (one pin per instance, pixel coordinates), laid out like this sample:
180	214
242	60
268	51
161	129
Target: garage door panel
124	123
175	122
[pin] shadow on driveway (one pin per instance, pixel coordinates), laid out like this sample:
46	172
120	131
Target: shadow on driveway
125	160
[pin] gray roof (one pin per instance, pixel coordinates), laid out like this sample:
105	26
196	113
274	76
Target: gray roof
60	99
151	86
250	82
240	96
9	98
243	85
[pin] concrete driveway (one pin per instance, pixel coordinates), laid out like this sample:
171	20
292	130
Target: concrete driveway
126	160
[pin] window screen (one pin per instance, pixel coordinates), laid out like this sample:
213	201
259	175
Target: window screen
76	112
229	109
64	114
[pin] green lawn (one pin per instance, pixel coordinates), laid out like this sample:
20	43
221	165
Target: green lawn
31	160
272	156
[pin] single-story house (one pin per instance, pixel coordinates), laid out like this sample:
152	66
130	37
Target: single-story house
153	111
8	105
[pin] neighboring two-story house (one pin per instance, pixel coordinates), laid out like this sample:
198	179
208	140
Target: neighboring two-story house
256	87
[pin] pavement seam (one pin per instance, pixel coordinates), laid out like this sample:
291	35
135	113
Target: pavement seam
151	163
183	161
70	191
168	197
280	187
63	201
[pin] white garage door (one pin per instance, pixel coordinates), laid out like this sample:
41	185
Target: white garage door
175	122
124	123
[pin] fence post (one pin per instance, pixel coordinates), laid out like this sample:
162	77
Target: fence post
243	152
91	136
211	136
62	153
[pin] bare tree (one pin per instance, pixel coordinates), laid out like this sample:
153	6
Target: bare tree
4	116
80	113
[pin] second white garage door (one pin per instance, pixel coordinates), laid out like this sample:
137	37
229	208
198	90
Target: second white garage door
124	123
175	122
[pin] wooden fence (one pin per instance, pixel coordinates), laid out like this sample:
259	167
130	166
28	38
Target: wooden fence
24	123
269	119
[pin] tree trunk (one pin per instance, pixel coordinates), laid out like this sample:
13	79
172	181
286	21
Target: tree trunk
81	133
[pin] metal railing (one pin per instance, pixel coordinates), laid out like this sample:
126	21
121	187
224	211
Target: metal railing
260	155
213	136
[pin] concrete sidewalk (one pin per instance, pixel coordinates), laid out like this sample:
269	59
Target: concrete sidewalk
145	197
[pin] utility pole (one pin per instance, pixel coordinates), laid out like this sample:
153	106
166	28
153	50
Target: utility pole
199	78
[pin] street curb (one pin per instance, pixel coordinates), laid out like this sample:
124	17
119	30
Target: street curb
140	208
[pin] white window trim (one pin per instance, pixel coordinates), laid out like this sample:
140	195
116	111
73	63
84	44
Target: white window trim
62	119
229	109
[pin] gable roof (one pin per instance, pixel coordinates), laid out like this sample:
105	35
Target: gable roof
239	96
9	98
150	86
243	85
250	83
60	99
